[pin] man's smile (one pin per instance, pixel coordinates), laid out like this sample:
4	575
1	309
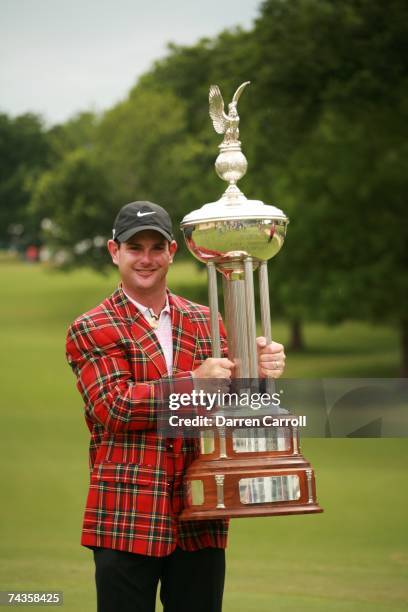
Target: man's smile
145	272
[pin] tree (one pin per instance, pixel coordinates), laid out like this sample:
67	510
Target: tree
338	115
75	203
324	127
25	153
76	133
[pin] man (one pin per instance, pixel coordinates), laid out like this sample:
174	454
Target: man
121	352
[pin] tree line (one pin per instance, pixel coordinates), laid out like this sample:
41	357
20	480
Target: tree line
324	128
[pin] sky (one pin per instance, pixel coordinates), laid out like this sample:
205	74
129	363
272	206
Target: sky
59	57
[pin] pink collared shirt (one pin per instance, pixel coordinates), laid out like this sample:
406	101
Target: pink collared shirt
163	330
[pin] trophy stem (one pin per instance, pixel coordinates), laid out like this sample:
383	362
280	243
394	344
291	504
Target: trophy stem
250	309
213	303
264	302
236	321
265	313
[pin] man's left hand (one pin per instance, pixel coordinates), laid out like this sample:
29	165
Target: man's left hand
271	358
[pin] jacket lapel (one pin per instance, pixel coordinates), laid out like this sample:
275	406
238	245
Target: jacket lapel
141	331
149	344
184	337
183	332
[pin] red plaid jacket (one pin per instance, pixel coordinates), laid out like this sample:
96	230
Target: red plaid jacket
119	365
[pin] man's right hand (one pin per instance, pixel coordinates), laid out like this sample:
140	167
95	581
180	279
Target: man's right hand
214	367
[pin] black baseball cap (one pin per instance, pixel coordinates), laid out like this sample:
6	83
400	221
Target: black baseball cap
138	216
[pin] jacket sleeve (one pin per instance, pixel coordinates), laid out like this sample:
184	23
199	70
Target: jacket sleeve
112	397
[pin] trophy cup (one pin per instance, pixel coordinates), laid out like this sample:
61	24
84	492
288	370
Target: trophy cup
241	473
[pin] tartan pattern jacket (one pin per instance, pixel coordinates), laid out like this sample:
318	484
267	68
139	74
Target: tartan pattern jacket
120	368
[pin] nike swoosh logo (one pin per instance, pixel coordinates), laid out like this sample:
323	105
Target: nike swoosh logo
140	214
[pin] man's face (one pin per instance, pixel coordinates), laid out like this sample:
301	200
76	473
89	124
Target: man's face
143	261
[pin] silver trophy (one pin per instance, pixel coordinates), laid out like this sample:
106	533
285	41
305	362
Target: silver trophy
241	474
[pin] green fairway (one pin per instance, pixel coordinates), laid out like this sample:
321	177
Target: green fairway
354	557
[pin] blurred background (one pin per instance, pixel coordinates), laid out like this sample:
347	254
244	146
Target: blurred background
103	104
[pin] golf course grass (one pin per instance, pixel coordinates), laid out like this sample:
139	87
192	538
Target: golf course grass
353	557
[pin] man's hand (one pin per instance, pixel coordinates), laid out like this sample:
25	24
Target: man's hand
214	368
217	372
271	358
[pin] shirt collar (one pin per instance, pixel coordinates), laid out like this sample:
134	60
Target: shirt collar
145	309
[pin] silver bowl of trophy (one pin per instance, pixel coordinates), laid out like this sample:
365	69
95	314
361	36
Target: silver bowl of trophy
227	233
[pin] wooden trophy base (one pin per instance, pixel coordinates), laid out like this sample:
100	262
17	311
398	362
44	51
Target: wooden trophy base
257	484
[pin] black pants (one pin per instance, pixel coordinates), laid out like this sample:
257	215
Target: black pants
190	581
